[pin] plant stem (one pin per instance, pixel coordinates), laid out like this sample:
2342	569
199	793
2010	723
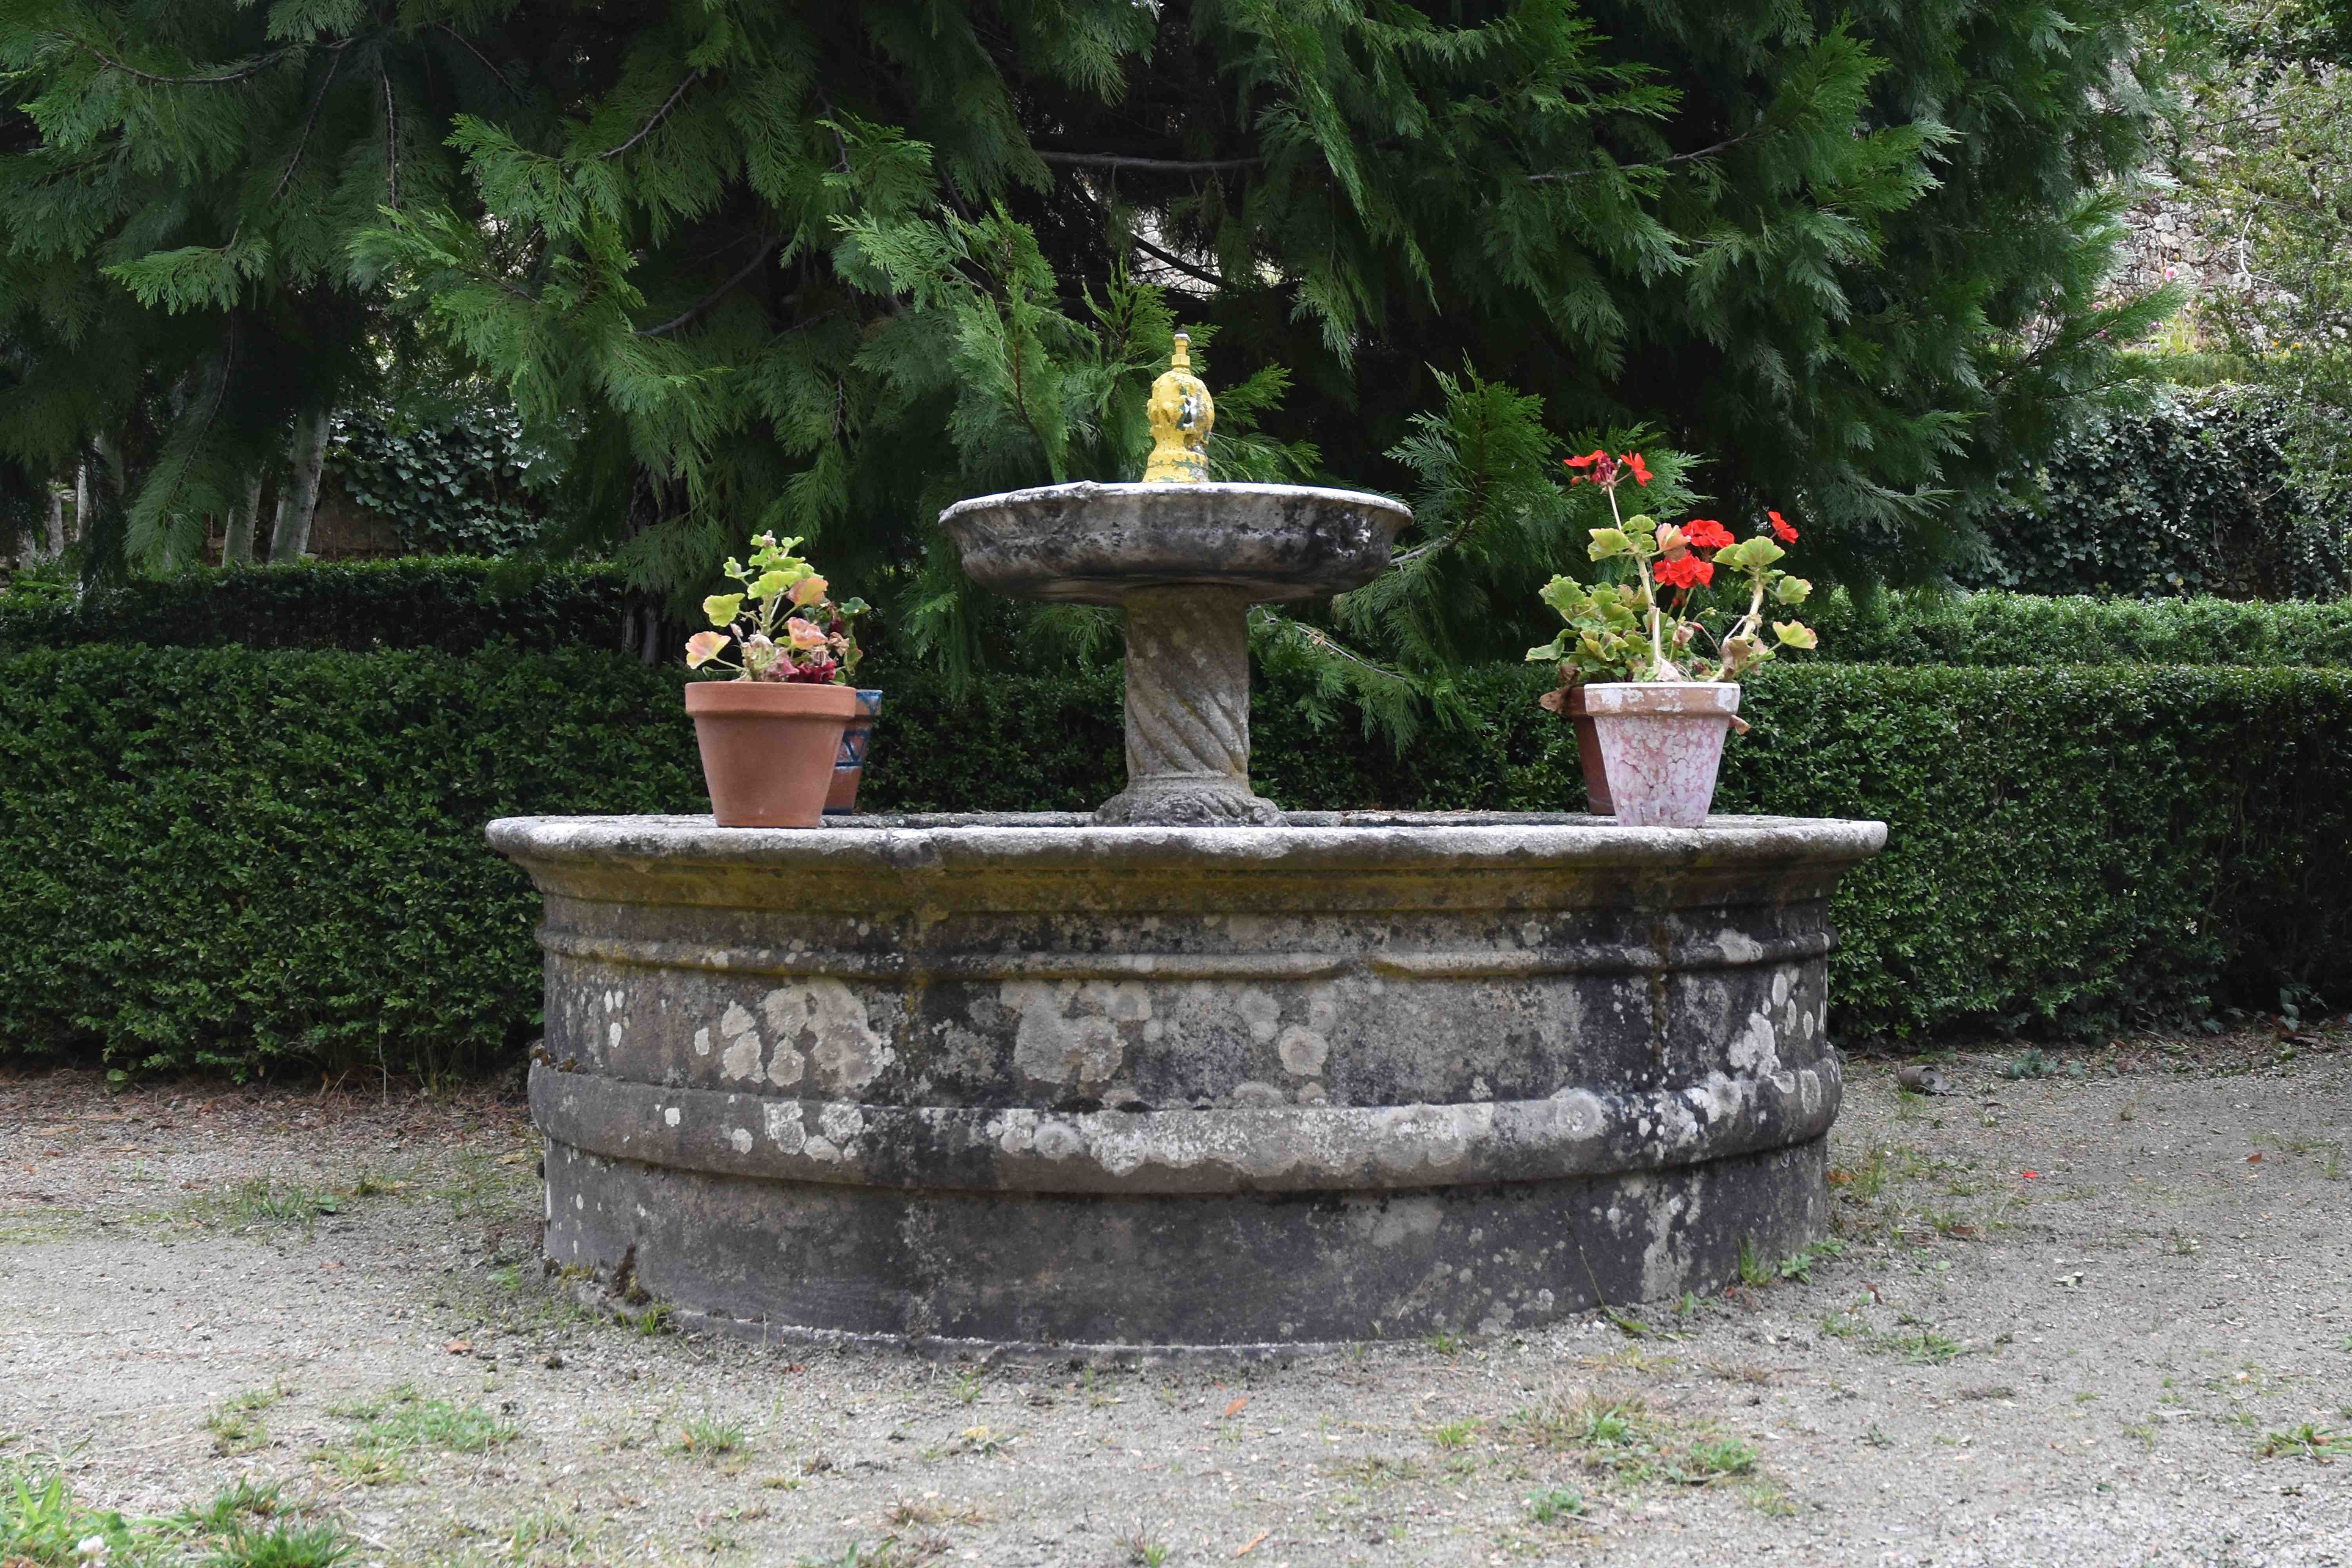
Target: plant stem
1649	594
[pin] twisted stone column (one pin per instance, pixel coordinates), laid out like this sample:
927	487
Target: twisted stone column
1188	712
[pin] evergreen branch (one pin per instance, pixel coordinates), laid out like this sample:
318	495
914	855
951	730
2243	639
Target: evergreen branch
1327	643
256	68
658	116
468	45
391	145
1636	168
309	119
832	123
1149	165
1202	273
695	312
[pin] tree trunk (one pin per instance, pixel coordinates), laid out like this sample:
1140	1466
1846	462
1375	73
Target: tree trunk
56	540
82	499
236	547
290	535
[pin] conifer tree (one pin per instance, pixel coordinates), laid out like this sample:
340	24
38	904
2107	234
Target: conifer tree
823	268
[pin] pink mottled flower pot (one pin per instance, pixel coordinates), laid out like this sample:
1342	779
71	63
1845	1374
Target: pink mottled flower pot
1661	744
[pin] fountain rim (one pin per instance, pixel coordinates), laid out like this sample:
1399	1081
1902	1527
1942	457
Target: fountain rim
1175	494
1046	841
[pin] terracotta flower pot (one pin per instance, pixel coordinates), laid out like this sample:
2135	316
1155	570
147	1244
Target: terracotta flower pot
1661	744
1588	752
849	767
768	748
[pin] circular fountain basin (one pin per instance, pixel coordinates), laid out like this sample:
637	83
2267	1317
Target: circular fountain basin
1019	1080
1095	544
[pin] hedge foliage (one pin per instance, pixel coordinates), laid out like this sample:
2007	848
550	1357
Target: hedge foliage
458	604
452	603
242	860
452	474
1997	628
223	859
2193	494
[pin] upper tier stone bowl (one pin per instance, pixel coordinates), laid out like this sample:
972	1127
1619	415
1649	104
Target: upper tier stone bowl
1097	545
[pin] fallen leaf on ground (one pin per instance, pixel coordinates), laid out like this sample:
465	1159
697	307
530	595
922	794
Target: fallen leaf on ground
459	1347
1235	1408
1253	1543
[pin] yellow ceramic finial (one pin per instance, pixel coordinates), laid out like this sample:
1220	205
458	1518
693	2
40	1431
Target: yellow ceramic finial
1180	412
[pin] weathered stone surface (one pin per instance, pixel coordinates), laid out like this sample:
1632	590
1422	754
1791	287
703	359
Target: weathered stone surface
1188	713
1016	1079
1095	544
1186	561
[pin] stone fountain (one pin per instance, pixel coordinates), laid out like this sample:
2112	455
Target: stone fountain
1192	1072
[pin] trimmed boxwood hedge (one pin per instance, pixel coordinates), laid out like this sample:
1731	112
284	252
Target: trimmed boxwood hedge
254	860
453	604
458	604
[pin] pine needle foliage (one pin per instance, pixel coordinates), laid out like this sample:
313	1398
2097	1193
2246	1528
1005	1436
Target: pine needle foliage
824	268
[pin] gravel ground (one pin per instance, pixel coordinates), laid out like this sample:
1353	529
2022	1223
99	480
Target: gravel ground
2096	1317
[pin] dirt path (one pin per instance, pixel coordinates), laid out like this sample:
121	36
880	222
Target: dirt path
2095	1319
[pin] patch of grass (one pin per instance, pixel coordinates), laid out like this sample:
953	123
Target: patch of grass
538	1535
1922	1347
653	1322
1374	1473
1623	1441
1754	1272
285	1544
1557	1503
1455	1435
231	1507
2307	1441
887	1552
237	1426
1865	1180
1445	1341
42	1523
704	1439
399	1425
967	1387
264	1202
43	1526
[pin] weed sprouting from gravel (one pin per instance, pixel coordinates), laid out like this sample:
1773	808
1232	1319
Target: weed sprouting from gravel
1455	1435
43	1525
1624	1442
285	1544
237	1426
2308	1441
704	1439
1552	1506
402	1424
2032	1063
1923	1346
263	1202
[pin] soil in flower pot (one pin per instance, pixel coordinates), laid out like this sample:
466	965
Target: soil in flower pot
769	748
1661	745
849	767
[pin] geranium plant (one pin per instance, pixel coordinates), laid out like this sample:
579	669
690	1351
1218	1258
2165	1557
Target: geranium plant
1665	622
782	623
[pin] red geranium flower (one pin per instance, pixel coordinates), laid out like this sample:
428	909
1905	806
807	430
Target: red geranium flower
1603	467
1685	572
1781	528
1705	533
1641	469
